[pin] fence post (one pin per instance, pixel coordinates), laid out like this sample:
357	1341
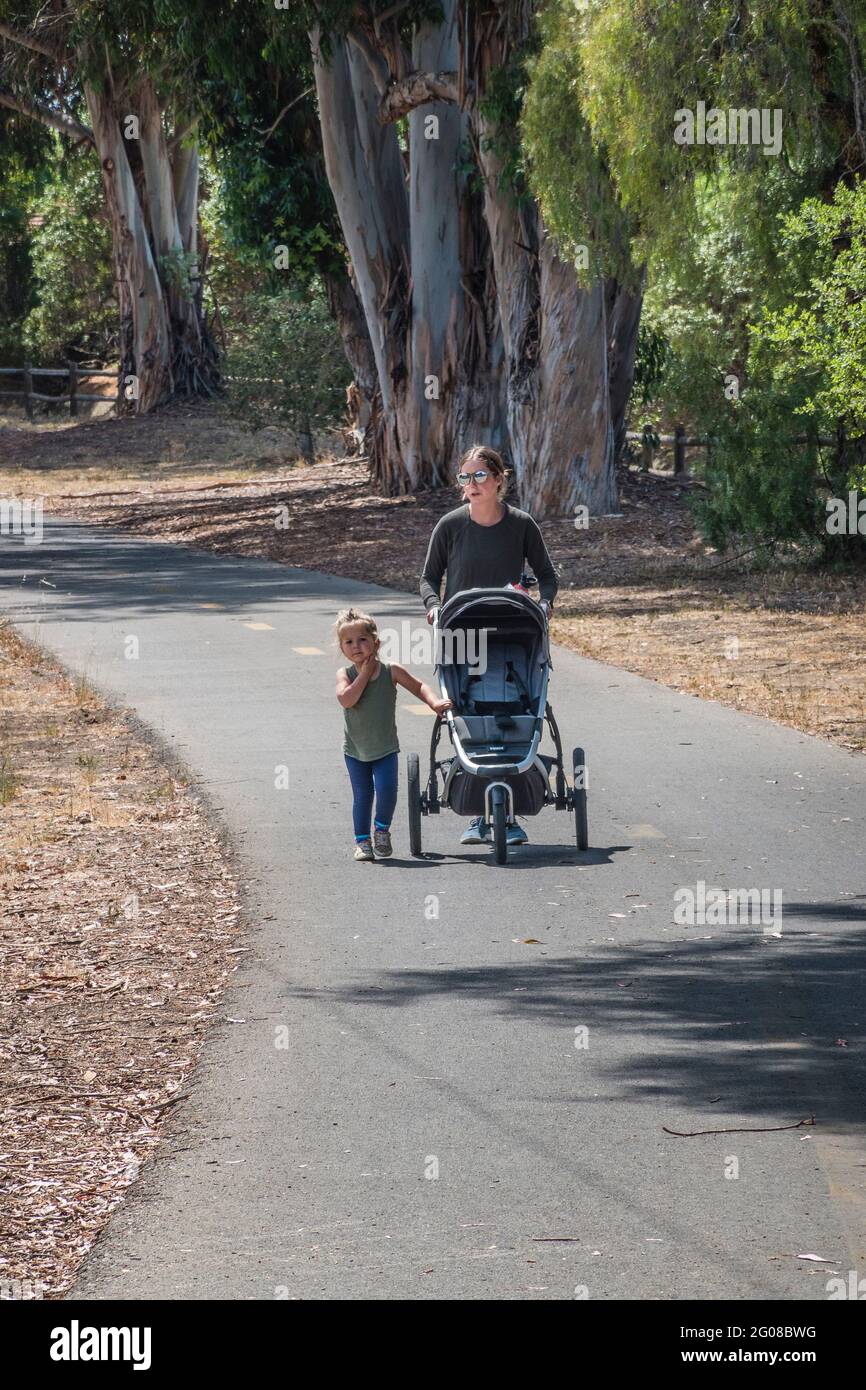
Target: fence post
28	391
73	389
679	449
305	440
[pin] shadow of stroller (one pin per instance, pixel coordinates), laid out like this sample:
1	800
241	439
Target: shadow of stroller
523	857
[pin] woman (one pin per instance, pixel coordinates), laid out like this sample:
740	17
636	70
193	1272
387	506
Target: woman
485	544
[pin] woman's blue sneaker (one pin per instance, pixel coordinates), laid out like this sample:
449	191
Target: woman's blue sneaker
516	835
477	833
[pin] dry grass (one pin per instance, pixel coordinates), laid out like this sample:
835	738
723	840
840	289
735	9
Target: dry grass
118	934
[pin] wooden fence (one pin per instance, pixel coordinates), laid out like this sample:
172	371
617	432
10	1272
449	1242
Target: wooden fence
678	439
649	442
73	395
76	375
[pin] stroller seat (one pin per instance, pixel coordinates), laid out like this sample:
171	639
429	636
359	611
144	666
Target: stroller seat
504	686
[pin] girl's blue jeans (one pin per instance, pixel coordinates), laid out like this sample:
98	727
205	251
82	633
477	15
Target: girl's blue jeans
379	776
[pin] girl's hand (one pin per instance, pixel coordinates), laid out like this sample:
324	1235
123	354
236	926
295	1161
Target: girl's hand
440	706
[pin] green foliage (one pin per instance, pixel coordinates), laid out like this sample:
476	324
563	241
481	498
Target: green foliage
293	344
761	480
652	363
569	171
275	194
702	300
645	60
24	152
501	106
754	329
818	336
807	378
75	314
176	270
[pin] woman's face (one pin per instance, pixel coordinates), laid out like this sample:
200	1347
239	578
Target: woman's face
474	491
356	643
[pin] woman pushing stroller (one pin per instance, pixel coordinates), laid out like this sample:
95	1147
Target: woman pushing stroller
485	543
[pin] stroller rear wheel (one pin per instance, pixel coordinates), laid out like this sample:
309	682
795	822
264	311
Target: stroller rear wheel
581	827
413	779
500	826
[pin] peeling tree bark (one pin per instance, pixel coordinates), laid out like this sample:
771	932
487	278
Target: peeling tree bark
478	330
623	316
365	172
421	87
459	398
145	341
151	192
165	343
555	336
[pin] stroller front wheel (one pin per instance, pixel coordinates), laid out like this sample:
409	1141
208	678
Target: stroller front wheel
500	825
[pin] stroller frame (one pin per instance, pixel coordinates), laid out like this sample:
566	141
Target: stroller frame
496	784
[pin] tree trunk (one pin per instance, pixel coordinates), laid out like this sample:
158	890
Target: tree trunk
623	317
365	172
348	315
145	340
555	334
165	343
459	397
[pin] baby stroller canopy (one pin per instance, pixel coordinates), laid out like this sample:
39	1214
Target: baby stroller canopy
493	652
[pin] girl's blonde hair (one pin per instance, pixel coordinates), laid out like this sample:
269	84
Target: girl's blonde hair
348	617
482	456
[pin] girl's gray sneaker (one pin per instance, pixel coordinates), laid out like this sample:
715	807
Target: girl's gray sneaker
363	850
382	843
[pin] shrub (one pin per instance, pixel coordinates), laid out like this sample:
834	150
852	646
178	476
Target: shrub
294	349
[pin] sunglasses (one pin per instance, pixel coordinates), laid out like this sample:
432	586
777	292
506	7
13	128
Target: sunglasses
478	476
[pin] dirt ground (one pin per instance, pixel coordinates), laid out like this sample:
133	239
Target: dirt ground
119	929
638	590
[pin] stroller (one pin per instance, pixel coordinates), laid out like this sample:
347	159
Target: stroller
493	662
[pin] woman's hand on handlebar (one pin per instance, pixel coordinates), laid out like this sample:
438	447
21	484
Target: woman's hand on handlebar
432	614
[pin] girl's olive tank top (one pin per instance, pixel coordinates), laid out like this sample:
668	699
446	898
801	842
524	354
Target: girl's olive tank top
371	724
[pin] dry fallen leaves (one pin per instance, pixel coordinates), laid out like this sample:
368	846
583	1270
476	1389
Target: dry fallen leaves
117	937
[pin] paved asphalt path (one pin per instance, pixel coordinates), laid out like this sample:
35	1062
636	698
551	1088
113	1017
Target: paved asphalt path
427	1034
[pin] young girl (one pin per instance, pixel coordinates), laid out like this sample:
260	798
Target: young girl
367	690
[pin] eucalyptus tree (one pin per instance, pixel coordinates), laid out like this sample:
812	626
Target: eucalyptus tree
109	76
725	128
479	326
